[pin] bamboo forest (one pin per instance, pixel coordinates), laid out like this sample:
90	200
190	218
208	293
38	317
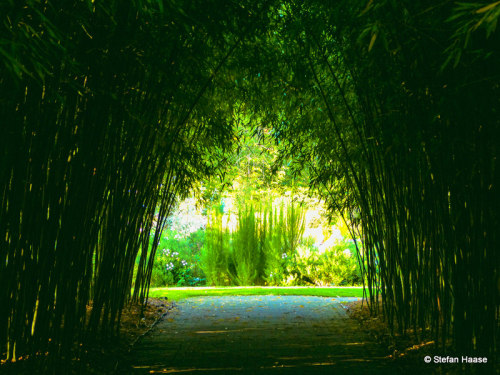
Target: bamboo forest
335	158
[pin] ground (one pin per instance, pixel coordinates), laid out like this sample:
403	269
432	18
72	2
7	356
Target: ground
262	335
105	358
255	335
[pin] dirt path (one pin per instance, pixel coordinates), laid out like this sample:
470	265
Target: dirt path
260	335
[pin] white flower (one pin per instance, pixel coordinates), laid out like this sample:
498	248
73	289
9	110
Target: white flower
170	266
283	256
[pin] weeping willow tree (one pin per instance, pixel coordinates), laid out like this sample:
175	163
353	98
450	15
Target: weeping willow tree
393	109
106	118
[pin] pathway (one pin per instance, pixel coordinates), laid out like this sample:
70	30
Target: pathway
260	335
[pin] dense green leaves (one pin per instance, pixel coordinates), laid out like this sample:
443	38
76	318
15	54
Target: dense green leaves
110	112
266	231
106	117
405	144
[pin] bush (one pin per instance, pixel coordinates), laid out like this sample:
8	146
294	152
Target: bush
337	265
177	260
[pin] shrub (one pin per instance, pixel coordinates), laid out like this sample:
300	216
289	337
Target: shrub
177	260
336	265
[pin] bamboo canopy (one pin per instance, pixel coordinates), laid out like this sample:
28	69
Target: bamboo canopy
110	112
105	121
403	138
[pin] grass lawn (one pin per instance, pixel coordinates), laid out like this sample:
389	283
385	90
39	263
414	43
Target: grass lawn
180	293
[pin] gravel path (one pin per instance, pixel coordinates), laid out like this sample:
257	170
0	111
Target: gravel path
260	335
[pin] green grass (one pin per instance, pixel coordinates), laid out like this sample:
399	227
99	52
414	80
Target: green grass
180	293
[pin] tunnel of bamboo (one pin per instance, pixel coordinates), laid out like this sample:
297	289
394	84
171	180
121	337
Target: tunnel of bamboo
112	112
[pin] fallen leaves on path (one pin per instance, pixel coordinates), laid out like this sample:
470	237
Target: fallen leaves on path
404	347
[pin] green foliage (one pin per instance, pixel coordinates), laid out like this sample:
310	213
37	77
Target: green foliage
177	260
308	265
274	247
285	229
392	106
215	255
247	246
107	115
337	265
294	225
255	166
268	247
109	112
